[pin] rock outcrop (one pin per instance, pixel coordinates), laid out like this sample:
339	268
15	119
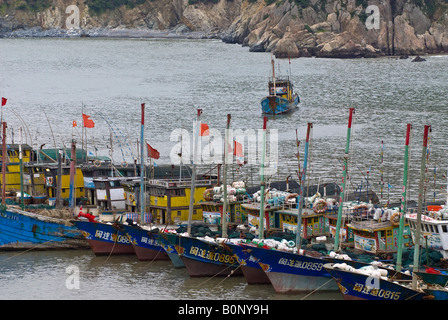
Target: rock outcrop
288	28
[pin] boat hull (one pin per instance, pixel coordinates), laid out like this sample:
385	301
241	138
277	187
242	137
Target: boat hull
356	286
146	244
206	259
104	238
251	269
278	105
437	294
293	273
168	242
22	230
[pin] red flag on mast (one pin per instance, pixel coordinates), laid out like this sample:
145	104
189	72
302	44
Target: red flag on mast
152	153
88	123
4	101
205	131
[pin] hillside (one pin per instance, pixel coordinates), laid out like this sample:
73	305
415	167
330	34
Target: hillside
323	28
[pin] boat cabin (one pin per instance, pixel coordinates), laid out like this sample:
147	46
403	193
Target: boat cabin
170	199
434	228
281	87
12	179
376	233
212	212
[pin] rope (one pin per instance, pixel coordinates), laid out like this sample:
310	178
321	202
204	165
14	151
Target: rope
215	275
32	248
316	289
113	247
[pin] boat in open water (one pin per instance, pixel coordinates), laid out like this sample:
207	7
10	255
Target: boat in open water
281	98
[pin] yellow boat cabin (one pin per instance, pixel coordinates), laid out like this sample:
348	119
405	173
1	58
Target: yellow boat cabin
170	199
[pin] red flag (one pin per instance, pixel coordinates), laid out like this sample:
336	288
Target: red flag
152	153
205	131
4	101
238	152
88	123
238	149
75	124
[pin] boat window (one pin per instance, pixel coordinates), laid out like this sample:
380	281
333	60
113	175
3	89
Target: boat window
179	213
444	228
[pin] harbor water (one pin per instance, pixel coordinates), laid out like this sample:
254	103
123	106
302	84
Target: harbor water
49	83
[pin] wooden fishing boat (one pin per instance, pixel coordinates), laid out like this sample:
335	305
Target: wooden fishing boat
355	285
378	237
105	238
252	271
170	243
206	258
145	242
291	272
434	228
23	230
282	98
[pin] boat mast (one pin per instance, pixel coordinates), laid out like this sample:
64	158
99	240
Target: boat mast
193	176
344	177
72	197
22	204
302	184
4	164
403	199
224	181
419	208
262	183
142	166
273	75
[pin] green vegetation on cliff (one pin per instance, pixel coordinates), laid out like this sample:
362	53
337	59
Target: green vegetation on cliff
34	5
97	7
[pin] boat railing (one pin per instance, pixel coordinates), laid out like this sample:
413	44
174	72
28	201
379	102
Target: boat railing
180	183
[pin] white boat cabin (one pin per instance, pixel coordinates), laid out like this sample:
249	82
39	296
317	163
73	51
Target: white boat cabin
434	228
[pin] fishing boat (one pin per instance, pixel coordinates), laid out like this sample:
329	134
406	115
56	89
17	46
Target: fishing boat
282	98
204	257
23	230
252	271
170	243
105	238
359	284
378	235
434	228
293	272
145	241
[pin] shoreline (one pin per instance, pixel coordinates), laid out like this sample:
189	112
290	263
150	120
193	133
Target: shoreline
100	32
177	33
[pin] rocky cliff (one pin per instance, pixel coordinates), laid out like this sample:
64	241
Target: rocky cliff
294	28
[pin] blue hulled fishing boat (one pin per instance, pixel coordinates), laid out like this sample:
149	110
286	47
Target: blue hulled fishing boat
292	272
252	271
281	98
204	258
145	242
22	230
168	241
361	286
105	238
